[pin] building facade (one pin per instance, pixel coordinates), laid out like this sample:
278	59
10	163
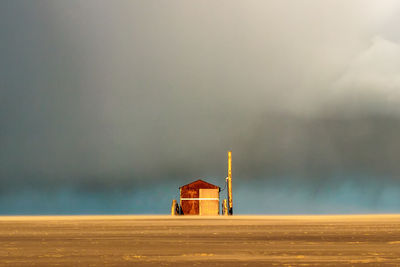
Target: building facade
199	198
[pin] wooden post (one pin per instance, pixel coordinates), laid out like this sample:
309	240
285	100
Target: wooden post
174	211
225	208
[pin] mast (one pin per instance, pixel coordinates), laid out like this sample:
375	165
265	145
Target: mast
230	202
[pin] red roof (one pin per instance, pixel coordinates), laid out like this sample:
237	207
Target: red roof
199	184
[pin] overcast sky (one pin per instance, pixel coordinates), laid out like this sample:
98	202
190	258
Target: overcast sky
110	106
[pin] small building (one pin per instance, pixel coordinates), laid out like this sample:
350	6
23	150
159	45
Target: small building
199	198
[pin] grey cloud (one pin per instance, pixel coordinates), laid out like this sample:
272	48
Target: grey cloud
99	95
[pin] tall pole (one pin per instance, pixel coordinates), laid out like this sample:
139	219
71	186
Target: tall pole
230	208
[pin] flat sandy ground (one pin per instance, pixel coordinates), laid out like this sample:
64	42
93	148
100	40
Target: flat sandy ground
364	240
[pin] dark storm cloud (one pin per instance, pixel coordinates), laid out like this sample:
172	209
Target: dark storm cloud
99	96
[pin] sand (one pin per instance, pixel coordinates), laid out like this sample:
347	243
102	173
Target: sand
364	240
